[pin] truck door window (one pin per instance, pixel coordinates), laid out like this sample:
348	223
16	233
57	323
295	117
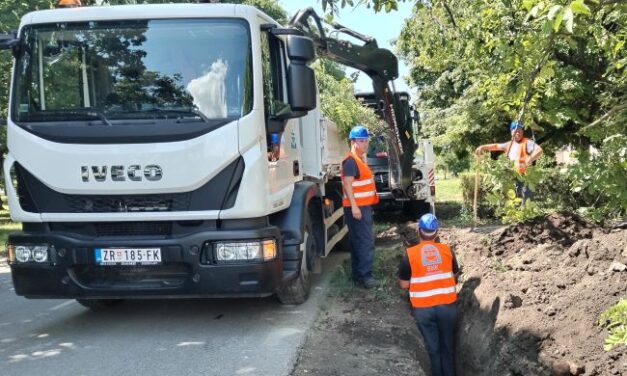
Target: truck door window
273	66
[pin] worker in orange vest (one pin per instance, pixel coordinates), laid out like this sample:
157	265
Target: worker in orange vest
429	271
521	150
359	195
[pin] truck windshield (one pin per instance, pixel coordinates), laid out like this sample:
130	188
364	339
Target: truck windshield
100	72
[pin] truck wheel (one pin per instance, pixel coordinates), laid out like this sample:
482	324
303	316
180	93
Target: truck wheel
99	303
297	290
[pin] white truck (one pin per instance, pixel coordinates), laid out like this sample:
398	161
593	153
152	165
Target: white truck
171	151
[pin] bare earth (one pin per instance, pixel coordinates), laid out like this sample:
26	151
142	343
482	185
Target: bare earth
529	301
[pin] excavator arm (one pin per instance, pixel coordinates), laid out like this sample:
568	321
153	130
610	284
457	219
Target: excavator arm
381	65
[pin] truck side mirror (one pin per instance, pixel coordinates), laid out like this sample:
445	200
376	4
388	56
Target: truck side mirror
301	81
415	115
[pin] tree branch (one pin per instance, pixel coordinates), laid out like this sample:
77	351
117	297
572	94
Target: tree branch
450	13
536	70
610	113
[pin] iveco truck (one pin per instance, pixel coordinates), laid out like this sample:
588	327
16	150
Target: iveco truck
173	151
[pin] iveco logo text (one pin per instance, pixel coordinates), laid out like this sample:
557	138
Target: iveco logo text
122	173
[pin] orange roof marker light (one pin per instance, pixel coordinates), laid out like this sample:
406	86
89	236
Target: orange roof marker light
69	4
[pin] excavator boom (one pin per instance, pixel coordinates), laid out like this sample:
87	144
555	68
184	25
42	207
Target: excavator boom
381	65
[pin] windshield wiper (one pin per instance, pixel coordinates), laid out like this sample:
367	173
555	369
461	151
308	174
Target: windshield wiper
91	112
189	112
100	115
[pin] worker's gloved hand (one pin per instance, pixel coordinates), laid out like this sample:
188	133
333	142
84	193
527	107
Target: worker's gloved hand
356	212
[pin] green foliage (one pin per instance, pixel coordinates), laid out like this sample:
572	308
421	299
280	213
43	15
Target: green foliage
452	162
485	62
614	319
559	65
332	6
338	101
598	181
594	187
467	182
499	179
466	215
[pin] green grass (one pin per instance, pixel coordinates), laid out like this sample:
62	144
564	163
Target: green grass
384	270
449	190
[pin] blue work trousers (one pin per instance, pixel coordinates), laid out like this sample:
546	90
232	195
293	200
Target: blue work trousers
361	237
437	326
523	192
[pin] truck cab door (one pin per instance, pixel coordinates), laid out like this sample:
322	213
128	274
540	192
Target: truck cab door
283	146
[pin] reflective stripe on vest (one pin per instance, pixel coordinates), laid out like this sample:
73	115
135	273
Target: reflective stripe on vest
519	164
364	189
432	281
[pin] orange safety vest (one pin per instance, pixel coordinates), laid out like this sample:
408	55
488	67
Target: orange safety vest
519	164
364	190
432	282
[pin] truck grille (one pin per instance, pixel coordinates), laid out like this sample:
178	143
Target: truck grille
149	228
129	203
132	277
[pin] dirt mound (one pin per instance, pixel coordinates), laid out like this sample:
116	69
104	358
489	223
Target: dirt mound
558	228
530	305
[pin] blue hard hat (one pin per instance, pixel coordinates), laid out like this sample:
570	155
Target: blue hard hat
358	132
428	222
515	125
275	138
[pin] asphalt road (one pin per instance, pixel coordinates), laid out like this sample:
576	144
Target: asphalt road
154	337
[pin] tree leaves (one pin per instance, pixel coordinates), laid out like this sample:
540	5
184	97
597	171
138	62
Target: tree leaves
578	7
568	19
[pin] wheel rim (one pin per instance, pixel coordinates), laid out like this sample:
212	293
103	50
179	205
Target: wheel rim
304	269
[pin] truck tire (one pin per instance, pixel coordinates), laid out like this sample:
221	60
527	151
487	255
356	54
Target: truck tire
296	291
99	303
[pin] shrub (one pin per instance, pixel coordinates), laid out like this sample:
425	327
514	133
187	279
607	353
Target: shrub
614	319
467	182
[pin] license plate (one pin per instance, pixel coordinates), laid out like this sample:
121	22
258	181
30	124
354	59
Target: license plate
128	256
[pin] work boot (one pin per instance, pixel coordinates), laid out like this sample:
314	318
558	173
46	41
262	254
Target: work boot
369	283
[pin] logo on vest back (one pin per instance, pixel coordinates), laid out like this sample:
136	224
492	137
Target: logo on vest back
430	255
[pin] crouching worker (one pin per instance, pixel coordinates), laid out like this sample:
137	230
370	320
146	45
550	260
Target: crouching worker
429	271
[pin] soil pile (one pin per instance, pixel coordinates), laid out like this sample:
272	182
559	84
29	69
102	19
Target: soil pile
558	228
532	296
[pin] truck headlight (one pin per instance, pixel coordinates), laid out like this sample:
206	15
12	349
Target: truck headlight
40	253
28	253
22	253
261	250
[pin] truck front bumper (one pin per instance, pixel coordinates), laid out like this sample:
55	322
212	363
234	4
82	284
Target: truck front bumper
186	270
